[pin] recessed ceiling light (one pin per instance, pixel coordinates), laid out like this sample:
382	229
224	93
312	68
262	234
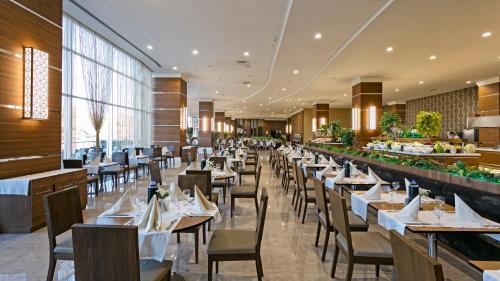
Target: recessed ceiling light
283	89
468	82
246	54
486	34
396	90
174	67
345	95
216	92
244	101
433	57
195	52
248	85
303	103
318	35
389	49
150	47
299	99
270	98
296	71
260	104
420	82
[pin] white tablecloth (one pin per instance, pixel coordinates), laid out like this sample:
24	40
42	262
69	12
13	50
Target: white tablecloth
20	185
491	275
154	244
359	204
388	220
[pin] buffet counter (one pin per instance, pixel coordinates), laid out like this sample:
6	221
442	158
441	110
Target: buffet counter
447	158
490	158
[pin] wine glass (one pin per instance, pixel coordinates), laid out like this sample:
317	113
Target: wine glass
394	189
439	213
440	200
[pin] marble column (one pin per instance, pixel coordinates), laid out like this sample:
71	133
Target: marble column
169	112
366	108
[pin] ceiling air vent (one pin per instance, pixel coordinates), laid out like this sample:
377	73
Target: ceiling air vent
243	63
433	90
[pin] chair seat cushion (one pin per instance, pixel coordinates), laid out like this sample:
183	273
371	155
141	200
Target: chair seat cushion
243	191
232	241
310	195
154	270
356	223
368	244
92	178
218	184
247	171
65	246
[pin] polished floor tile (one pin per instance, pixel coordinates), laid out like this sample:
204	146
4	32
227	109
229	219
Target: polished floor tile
288	251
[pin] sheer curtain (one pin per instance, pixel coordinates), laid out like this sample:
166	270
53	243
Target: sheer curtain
128	120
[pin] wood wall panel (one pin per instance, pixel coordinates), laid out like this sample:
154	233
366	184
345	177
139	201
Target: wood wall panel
169	93
274	125
20	28
488	105
206	110
364	95
344	115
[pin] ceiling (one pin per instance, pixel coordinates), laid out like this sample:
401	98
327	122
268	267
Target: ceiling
279	36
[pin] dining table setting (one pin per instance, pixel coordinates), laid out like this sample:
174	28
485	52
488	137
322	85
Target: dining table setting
169	210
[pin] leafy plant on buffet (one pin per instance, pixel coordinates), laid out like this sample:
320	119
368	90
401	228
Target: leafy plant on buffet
335	128
429	123
347	136
457	169
390	123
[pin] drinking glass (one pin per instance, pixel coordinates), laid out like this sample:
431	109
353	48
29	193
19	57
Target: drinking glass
439	213
440	200
394	189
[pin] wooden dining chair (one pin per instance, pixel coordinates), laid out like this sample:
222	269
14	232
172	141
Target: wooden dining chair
246	192
357	247
155	172
115	173
62	210
92	179
306	195
212	196
238	245
223	184
410	259
289	174
356	223
249	170
111	253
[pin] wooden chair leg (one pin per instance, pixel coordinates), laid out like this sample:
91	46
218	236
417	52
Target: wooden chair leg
350	268
317	234
300	207
204	234
52	268
258	265
377	270
210	267
178	238
196	242
335	259
232	205
256	206
305	211
325	247
216	267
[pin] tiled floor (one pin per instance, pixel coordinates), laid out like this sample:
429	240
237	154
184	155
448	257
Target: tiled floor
288	251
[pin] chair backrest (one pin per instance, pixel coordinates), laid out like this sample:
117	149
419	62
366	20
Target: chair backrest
189	181
409	259
339	218
189	158
218	160
156	151
148	151
205	154
257	180
261	216
99	256
320	192
72	163
208	179
155	172
62	210
300	180
120	157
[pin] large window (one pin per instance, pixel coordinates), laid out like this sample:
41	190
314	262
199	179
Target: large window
127	82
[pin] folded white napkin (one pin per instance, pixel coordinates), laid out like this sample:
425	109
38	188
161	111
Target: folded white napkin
141	153
151	220
323	160
227	169
354	172
410	212
333	163
133	153
201	203
374	193
407	185
340	176
208	166
464	213
124	206
372	177
176	192
327	169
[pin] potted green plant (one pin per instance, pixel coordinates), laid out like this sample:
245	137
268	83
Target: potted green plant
347	137
428	123
335	129
390	123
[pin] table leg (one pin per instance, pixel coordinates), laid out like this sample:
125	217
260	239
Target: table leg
432	245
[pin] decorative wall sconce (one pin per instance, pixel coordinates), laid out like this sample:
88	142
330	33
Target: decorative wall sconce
232	128
314	124
184	118
372	118
356	116
322	121
219	127
290	129
36	84
204	124
286	129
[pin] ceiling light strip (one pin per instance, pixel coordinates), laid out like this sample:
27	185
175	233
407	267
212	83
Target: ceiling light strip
337	53
275	56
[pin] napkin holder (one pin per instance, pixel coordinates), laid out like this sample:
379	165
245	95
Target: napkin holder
152	188
203	163
347	169
316	158
413	190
